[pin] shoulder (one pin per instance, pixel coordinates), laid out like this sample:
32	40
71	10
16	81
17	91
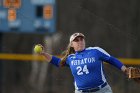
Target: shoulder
94	48
69	58
99	49
71	55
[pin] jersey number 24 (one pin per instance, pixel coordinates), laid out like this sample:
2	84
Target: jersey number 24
81	71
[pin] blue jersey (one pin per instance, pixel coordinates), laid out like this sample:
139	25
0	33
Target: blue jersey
87	67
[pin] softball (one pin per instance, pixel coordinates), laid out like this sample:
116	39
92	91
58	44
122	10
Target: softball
38	49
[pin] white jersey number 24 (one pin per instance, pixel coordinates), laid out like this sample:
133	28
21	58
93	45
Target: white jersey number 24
81	71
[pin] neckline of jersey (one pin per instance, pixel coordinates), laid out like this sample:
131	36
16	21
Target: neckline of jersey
77	52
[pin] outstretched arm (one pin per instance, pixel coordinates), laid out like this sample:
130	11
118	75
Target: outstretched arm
131	72
104	56
115	62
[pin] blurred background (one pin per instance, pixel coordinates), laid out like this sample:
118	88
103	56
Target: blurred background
113	25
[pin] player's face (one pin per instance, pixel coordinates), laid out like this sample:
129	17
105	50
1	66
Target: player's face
78	43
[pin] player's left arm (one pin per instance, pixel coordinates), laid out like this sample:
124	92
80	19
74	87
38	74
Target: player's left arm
106	57
115	62
131	72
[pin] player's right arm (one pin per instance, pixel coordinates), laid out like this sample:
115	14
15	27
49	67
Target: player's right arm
49	58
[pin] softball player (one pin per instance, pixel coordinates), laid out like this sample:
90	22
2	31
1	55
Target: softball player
86	65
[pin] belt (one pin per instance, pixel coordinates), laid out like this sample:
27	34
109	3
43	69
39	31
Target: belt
95	89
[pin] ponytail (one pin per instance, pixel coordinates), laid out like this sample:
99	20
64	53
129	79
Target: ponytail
68	51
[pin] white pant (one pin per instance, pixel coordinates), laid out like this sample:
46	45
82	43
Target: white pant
106	89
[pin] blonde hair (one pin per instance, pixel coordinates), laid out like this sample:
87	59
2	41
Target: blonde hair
68	51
